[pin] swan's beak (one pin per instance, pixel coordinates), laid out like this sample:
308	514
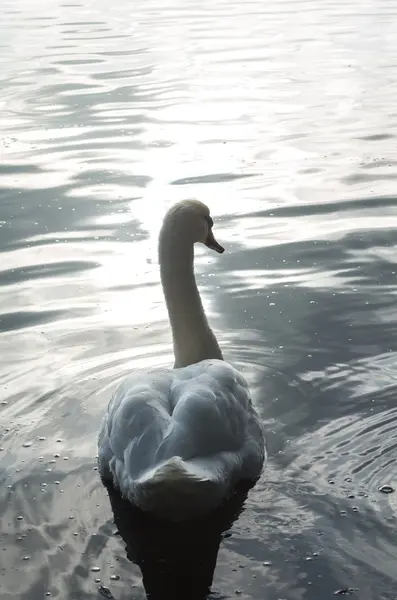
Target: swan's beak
211	242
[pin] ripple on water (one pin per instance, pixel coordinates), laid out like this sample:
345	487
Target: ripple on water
355	454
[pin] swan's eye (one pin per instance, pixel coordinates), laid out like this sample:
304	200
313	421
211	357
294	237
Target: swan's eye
210	222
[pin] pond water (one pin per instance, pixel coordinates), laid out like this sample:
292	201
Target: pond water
281	117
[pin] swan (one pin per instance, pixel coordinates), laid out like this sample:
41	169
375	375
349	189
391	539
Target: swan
176	442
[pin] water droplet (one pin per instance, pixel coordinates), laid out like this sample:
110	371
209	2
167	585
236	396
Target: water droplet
26	445
386	489
115	577
26	558
56	455
105	592
19	518
267	563
41	438
97	580
95	569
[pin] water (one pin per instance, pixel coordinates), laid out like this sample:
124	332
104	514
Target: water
281	117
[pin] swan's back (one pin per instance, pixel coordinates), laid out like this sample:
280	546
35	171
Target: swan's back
176	442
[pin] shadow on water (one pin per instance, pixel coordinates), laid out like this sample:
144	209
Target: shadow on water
53	213
176	560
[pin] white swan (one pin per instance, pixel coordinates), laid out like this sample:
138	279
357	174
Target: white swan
175	442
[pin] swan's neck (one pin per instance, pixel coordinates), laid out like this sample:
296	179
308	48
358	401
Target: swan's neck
192	336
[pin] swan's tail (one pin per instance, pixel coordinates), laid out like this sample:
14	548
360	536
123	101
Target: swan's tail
177	489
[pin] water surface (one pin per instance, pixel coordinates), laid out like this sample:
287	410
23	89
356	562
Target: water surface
282	118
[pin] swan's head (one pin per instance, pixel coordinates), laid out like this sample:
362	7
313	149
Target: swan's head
192	220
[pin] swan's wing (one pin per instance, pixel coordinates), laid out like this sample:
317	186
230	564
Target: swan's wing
212	414
135	423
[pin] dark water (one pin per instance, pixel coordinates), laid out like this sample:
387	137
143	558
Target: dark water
282	117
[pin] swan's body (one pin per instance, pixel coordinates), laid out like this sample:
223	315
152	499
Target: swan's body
175	442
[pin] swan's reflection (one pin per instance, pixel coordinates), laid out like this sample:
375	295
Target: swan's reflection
177	560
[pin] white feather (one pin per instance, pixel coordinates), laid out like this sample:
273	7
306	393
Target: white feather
176	442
